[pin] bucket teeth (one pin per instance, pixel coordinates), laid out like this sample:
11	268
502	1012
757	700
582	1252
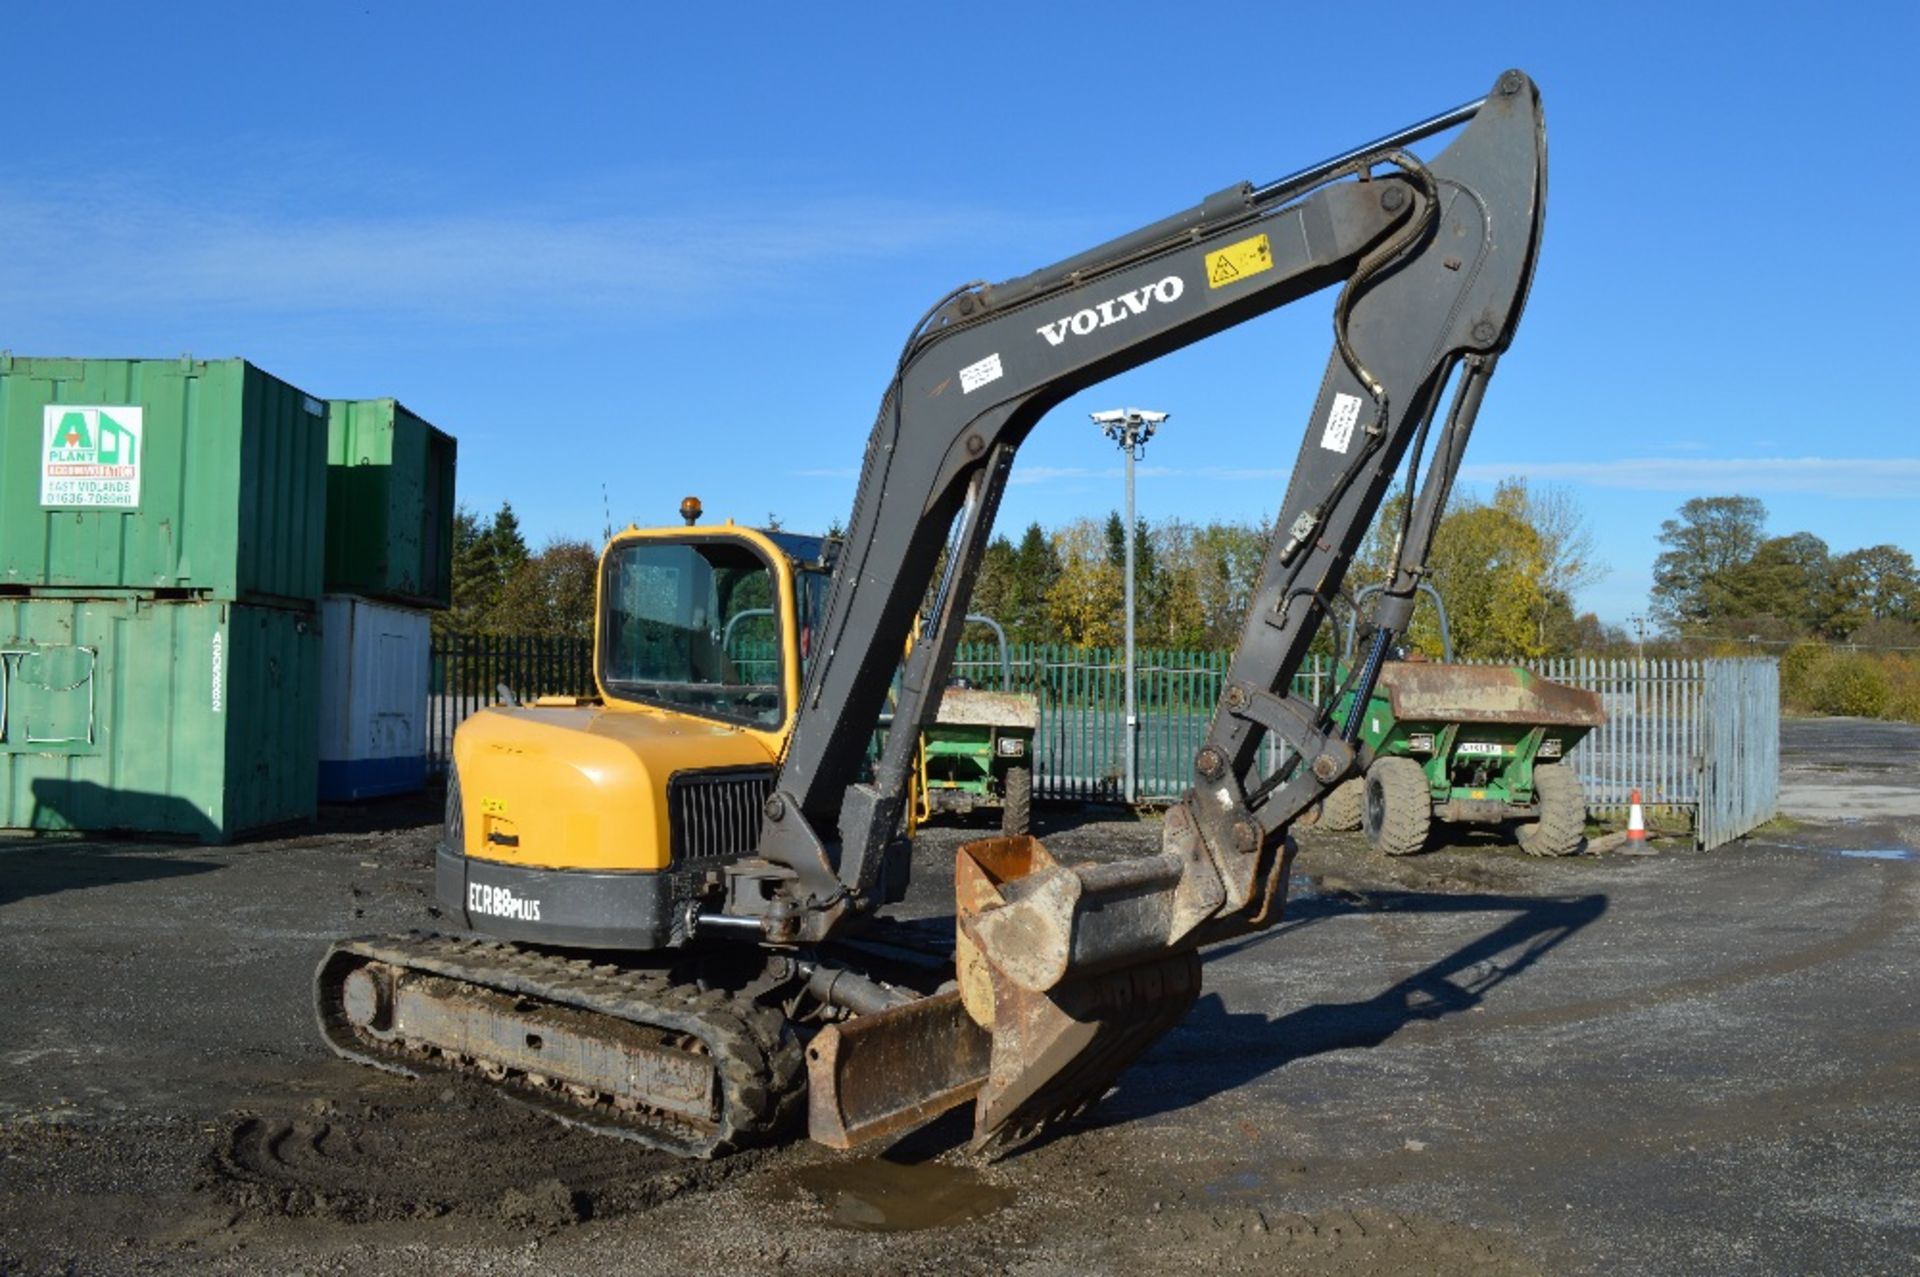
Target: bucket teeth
1055	1054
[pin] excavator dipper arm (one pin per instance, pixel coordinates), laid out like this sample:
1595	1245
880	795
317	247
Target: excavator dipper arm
1067	972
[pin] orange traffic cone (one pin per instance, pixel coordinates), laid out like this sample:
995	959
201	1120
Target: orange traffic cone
1636	825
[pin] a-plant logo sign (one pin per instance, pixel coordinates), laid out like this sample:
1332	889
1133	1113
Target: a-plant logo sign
91	457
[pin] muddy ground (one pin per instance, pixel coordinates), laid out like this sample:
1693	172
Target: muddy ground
1464	1061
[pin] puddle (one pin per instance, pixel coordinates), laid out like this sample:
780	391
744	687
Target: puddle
874	1195
1240	1182
1879	853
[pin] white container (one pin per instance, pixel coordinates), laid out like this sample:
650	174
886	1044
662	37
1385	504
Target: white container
373	698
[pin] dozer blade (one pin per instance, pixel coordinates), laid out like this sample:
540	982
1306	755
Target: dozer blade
888	1072
1066	975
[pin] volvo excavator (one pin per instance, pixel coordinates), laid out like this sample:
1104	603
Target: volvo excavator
673	896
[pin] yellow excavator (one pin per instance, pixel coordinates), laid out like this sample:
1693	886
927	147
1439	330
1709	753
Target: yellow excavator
673	896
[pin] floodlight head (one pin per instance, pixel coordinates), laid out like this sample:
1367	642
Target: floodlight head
1112	417
1151	418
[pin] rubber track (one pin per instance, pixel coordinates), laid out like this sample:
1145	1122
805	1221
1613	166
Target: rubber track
759	1064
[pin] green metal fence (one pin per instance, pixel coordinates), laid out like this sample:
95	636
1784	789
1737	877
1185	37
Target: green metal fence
1081	743
1700	737
1081	694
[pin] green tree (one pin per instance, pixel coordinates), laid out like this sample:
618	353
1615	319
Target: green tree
551	593
996	584
1148	584
1707	545
1085	602
509	547
1789	579
1877	583
1229	557
486	554
1207	577
473	576
1177	618
1036	567
1489	566
1588	635
1567	560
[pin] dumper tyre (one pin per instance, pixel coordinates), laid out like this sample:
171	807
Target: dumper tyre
1562	827
1342	810
1398	812
1016	805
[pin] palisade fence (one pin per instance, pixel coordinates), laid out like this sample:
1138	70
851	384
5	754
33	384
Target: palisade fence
1699	739
468	672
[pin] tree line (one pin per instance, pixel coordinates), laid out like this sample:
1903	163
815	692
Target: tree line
1507	568
502	587
1721	577
1845	626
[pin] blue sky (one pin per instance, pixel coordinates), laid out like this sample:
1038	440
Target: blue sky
674	249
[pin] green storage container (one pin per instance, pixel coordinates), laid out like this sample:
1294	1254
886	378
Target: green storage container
188	718
207	478
389	504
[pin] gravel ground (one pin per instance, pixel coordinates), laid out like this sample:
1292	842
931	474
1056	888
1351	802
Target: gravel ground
1461	1061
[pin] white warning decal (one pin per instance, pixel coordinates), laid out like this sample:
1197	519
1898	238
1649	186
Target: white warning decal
1339	431
976	375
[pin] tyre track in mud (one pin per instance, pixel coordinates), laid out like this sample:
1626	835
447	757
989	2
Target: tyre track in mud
460	1152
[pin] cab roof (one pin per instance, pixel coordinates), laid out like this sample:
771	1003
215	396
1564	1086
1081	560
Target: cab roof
804	550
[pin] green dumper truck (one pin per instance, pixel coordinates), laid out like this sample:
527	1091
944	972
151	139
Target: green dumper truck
979	750
1465	744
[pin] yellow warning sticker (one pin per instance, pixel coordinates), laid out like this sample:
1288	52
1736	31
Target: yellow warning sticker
1237	261
493	806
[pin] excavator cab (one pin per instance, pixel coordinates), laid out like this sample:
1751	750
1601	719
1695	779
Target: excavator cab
589	822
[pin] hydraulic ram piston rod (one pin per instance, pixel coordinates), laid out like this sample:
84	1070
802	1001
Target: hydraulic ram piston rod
1412	133
1232	203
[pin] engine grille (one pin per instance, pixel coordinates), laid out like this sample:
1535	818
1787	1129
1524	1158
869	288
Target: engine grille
715	815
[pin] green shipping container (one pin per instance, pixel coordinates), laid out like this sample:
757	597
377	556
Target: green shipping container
198	719
207	479
389	504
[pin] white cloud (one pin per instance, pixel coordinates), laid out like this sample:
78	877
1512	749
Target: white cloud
1886	477
70	254
1030	475
1882	477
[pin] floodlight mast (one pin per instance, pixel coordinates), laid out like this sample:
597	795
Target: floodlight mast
1130	428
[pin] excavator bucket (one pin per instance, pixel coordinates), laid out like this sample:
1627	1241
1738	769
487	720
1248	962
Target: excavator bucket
1066	975
1070	971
